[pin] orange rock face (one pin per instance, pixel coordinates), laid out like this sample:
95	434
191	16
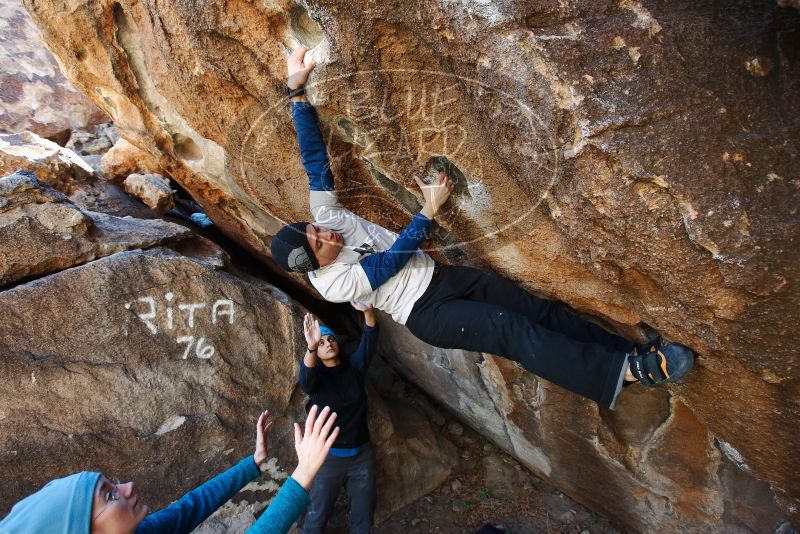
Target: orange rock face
619	156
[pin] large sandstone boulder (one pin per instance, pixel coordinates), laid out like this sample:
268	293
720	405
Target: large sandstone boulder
34	94
634	159
45	233
153	363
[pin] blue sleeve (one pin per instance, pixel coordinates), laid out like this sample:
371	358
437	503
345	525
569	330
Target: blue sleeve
312	148
283	511
308	377
193	508
362	357
383	265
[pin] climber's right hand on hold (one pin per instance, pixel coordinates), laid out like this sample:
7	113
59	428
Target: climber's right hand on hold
297	69
436	194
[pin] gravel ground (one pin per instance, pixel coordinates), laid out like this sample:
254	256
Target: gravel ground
489	486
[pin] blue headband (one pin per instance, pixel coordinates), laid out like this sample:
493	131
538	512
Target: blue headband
328	332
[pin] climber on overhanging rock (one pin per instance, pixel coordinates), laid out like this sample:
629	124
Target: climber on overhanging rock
337	380
88	502
453	307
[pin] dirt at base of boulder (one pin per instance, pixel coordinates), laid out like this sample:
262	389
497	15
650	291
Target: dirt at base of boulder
489	486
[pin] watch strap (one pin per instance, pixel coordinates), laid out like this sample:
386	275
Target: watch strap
294	92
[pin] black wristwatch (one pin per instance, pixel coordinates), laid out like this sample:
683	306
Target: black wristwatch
294	92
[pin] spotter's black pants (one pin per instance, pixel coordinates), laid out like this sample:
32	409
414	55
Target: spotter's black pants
357	474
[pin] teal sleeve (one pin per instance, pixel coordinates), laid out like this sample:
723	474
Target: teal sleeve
287	506
186	513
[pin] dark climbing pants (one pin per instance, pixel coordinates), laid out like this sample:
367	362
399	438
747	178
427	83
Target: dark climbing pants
358	475
470	309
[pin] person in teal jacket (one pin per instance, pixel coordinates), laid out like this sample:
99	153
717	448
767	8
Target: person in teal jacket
89	502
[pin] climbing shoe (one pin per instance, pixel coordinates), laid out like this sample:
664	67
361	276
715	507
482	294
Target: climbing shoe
649	346
660	361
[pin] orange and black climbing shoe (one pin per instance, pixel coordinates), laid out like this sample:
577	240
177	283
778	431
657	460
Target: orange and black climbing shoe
660	362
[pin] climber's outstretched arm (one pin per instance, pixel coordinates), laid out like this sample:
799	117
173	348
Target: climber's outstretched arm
312	148
381	266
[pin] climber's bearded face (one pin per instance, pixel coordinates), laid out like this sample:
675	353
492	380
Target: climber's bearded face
325	243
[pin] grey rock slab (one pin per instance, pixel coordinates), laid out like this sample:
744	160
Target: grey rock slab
42	232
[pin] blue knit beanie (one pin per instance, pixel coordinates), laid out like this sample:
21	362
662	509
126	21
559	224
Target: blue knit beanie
62	506
325	331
